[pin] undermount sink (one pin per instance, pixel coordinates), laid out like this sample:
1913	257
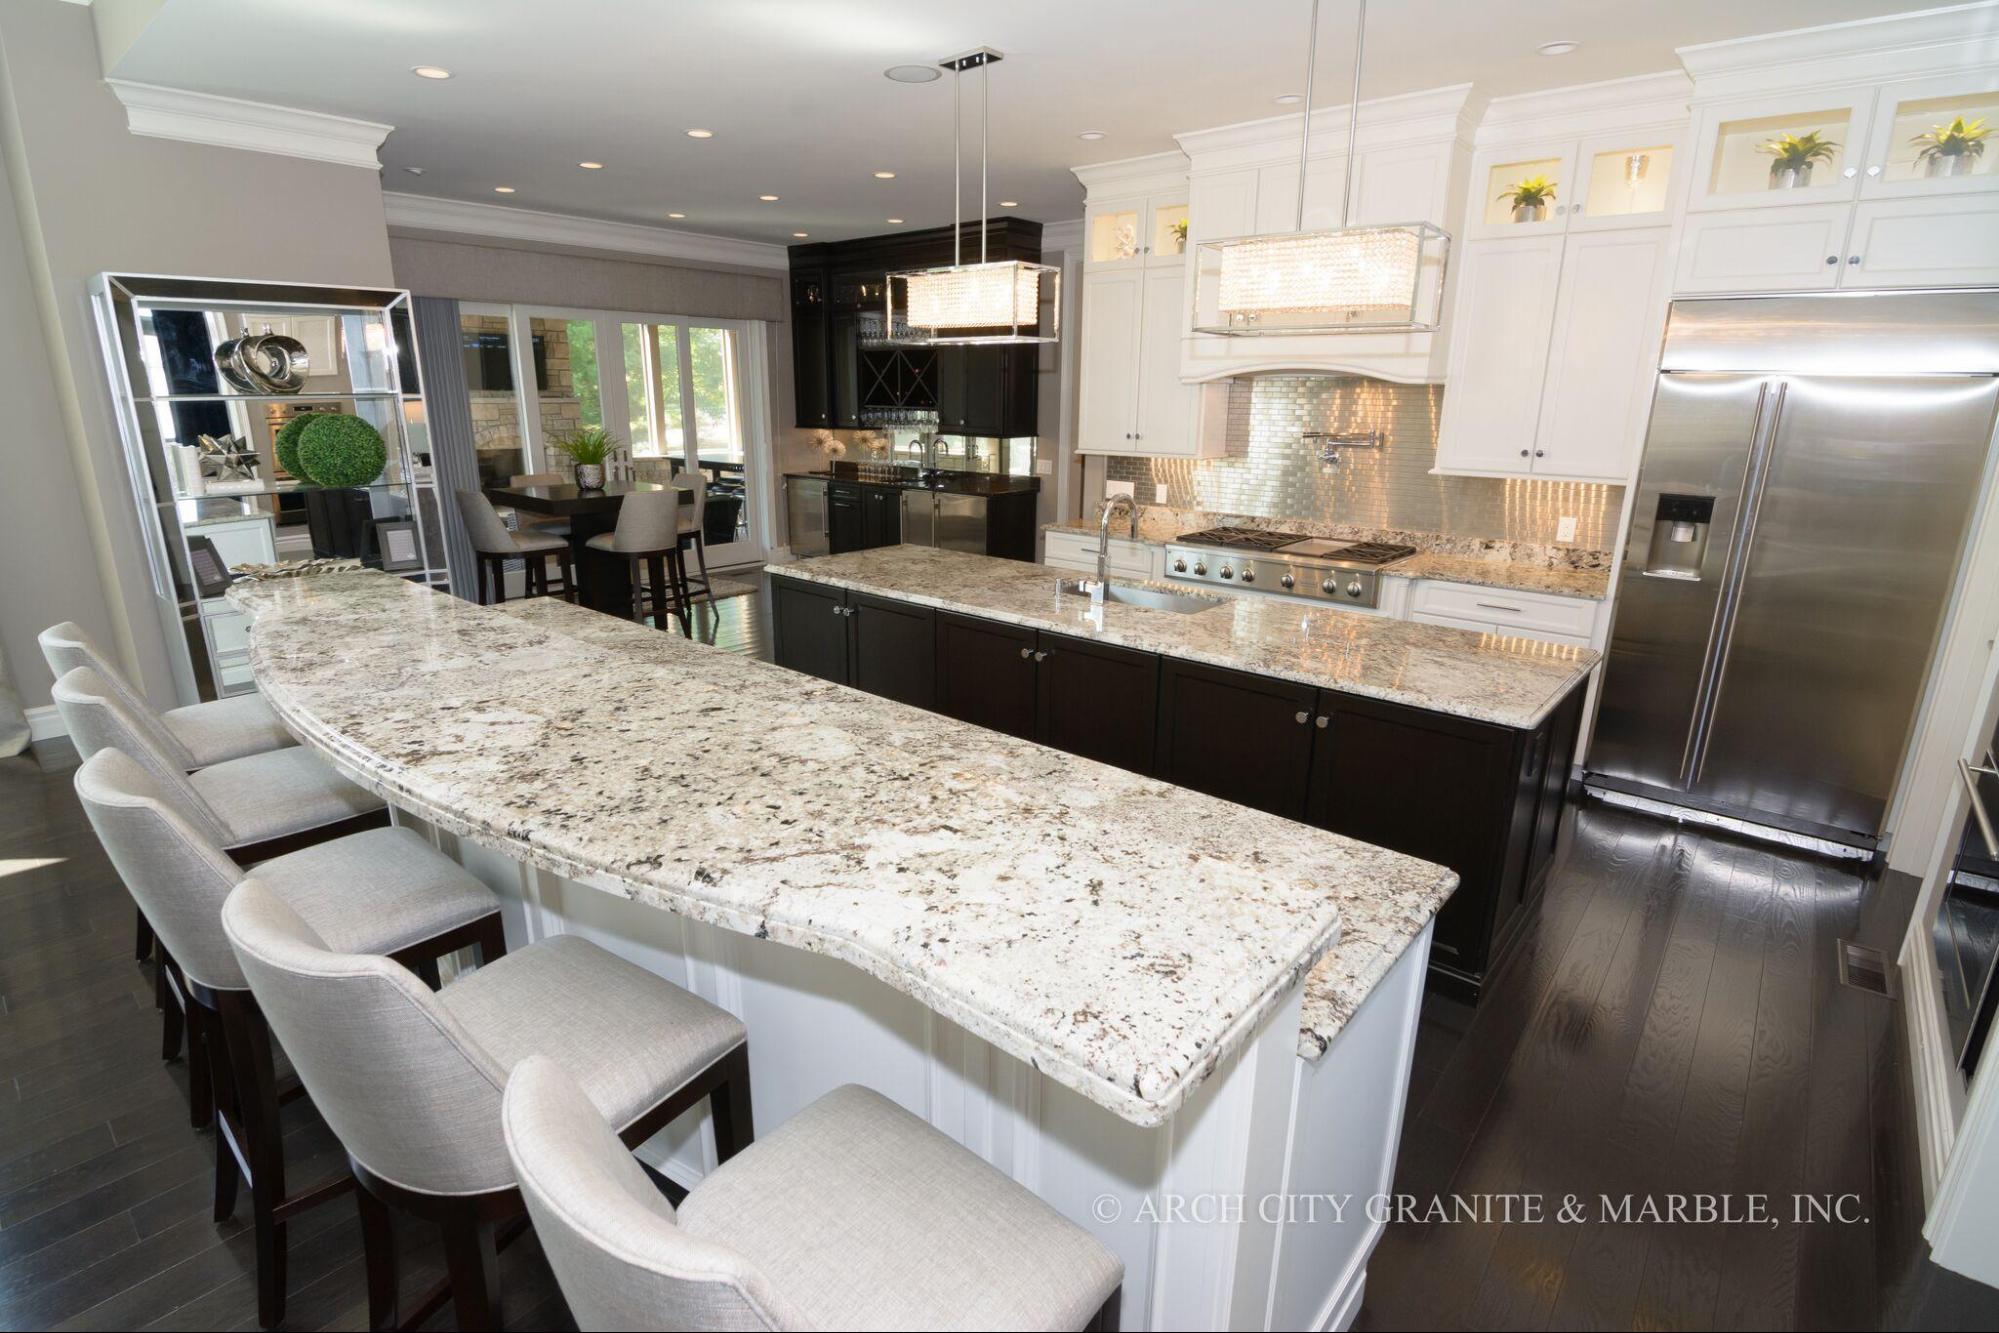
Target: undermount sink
1151	598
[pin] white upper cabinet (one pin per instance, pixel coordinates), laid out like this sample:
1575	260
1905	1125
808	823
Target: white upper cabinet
1601	356
1137	231
1500	333
1737	162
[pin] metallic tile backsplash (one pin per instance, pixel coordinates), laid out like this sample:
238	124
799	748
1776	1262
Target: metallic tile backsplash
1269	472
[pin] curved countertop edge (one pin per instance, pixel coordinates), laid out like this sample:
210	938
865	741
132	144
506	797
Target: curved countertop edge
814	570
372	773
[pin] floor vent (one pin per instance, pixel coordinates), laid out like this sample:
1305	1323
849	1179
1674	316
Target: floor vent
1865	969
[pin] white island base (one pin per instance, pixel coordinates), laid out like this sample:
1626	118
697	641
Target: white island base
1247	1209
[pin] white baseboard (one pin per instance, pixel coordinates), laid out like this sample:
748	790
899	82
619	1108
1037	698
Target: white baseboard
45	723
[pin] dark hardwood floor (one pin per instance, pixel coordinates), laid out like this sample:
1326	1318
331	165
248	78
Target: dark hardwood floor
1673	1022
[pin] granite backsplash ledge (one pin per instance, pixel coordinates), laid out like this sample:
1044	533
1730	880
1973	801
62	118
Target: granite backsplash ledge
1269	472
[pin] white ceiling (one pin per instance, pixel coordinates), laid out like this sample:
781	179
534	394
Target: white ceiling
793	89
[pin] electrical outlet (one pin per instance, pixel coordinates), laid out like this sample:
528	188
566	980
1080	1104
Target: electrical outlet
1044	467
1119	488
1565	528
1159	494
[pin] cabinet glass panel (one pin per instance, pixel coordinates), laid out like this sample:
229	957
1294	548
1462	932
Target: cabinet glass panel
1943	137
1505	181
1169	230
1751	154
1627	181
1114	236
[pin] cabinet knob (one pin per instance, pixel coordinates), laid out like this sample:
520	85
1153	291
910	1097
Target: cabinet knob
1832	259
1303	717
1851	172
1874	171
1041	657
1853	259
1322	721
1026	653
1523	453
1540	453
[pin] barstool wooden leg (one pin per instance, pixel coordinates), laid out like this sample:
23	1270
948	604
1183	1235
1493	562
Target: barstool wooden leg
568	558
729	1105
142	937
228	1176
638	591
473	1260
378	1248
682	596
661	593
248	1039
1108	1314
499	579
701	555
171	1018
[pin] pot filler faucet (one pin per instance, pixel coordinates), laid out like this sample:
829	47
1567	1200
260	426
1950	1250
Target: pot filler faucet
1111	505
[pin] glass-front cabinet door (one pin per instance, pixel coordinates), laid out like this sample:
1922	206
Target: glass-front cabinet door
1934	136
1522	191
1800	148
1138	232
1623	181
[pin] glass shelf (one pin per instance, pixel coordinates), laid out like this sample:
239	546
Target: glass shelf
1923	116
1741	167
1624	182
348	395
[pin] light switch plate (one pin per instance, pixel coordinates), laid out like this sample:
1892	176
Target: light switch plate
1119	488
1565	528
1044	467
1159	494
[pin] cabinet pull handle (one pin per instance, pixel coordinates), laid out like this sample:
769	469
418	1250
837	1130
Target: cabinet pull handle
1496	606
1323	721
1303	717
1026	653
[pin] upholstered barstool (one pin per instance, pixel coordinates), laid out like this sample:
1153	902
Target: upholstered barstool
411	1081
648	534
385	891
494	543
540	524
193	736
854	1214
692	521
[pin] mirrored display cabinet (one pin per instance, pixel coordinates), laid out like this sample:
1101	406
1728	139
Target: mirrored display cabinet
205	376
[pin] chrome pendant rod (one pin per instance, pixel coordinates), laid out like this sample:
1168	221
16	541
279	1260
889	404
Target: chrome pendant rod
1353	114
1305	116
958	166
985	124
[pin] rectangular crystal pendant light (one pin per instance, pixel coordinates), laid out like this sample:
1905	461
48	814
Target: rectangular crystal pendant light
998	301
1384	278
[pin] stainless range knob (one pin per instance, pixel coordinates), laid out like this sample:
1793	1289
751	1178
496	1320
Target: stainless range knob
1179	566
1227	573
1287	582
1249	576
1330	587
1355	589
1200	567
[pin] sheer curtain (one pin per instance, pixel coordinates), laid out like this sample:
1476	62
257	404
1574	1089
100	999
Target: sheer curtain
448	409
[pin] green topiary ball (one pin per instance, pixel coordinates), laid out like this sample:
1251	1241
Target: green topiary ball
339	451
286	445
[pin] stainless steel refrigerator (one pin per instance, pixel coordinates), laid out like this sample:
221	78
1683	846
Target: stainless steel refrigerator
1809	478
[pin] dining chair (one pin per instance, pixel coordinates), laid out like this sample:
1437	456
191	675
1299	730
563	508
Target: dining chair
854	1214
410	1081
648	534
384	891
494	543
692	520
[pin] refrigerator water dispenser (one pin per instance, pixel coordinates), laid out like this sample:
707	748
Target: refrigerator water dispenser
1679	536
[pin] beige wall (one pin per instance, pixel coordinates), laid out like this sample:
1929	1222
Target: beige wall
90	197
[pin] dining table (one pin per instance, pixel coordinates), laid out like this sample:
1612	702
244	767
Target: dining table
604	578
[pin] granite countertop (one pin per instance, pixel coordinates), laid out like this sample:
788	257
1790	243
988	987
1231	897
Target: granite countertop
1485	677
1520	566
1122	935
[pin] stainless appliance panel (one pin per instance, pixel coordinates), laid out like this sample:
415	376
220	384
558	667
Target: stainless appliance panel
1705	428
919	518
961	523
805	515
1855	544
1838	333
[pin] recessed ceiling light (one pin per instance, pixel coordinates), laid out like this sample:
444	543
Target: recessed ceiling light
1557	48
768	198
430	72
1009	203
1288	99
503	189
913	73
884	175
676	216
1091	135
591	166
800	235
414	171
700	134
895	222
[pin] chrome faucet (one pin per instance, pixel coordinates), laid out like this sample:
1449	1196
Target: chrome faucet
1111	503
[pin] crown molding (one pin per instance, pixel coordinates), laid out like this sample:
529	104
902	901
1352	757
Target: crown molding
1864	50
1154	170
1421	117
257	127
1611	105
426	213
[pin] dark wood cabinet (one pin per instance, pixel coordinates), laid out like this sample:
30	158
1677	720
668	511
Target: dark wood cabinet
891	649
881	516
1242	737
811	365
845	523
1097	700
985	673
987	391
809	628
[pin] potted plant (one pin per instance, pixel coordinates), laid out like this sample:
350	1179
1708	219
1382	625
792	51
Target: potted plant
1792	157
588	448
1950	150
1530	198
337	455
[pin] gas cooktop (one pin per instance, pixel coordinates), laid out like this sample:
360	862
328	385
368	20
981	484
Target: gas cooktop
1287	563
